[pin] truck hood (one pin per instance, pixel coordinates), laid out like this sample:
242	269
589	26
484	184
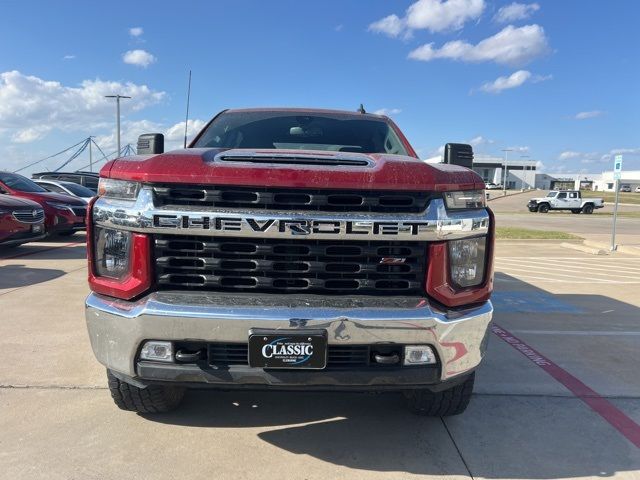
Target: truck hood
538	199
292	168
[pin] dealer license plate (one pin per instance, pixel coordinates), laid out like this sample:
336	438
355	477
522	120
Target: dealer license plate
305	349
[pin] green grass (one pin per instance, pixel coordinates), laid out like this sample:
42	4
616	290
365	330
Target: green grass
516	233
610	197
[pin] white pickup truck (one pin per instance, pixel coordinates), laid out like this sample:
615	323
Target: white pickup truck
564	200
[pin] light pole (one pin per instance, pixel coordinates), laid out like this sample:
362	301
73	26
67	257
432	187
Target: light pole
117	97
504	182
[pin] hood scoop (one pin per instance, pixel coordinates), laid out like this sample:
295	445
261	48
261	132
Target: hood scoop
294	158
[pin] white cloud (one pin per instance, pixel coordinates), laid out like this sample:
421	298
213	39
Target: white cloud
141	58
391	25
69	57
439	16
31	107
29	135
387	111
515	11
431	15
131	130
514	80
569	154
524	149
479	141
587	115
136	31
510	46
338	28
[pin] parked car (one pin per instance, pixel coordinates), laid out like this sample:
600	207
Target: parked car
625	188
492	186
21	221
565	200
637	190
86	179
67	188
64	214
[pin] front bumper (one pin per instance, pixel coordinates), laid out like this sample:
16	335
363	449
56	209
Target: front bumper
117	329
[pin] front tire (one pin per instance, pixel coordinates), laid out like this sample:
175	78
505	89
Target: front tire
543	208
150	399
452	401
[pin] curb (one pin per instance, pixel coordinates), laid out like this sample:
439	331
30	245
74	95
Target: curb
628	249
584	248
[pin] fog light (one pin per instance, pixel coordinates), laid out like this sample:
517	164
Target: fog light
419	355
157	351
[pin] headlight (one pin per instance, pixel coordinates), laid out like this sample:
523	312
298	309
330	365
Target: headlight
466	261
465	199
108	187
60	206
112	252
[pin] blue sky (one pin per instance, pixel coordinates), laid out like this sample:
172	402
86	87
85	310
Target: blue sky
555	80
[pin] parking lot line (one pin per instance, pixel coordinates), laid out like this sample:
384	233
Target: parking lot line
589	266
607	410
47	249
554	269
581	333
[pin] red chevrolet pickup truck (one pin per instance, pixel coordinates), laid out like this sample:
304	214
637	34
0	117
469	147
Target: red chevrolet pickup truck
292	249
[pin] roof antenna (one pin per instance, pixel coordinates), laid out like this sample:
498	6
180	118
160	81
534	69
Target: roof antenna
186	119
361	109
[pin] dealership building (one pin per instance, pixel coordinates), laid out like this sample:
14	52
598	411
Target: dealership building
521	174
601	182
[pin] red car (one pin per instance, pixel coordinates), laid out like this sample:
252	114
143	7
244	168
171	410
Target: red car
64	214
21	221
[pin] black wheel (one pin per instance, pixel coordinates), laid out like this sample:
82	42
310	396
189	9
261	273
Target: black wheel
576	210
543	208
452	401
151	399
588	208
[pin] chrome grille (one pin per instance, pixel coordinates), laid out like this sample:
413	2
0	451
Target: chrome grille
34	215
294	266
256	198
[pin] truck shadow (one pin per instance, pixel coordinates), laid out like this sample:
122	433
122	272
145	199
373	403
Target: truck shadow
504	434
16	276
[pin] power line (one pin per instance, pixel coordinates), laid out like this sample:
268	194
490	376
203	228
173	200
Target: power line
50	156
75	155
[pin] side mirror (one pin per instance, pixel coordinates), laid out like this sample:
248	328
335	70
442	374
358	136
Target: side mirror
459	154
150	144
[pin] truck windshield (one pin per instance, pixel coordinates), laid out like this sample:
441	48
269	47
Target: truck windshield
301	131
552	194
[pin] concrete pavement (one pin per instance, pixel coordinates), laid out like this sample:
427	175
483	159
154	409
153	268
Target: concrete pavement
58	421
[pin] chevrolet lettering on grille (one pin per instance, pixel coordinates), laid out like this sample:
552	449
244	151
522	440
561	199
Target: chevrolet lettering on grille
288	226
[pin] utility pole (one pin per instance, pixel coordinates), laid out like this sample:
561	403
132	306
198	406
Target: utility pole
117	97
90	154
504	181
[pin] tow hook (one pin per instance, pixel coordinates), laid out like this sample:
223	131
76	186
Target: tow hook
387	359
183	356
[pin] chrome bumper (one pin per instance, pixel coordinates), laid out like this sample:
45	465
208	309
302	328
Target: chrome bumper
117	328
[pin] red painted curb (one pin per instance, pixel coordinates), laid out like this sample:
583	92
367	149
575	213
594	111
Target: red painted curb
603	407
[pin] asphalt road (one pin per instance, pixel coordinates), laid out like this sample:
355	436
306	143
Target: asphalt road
511	211
557	397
